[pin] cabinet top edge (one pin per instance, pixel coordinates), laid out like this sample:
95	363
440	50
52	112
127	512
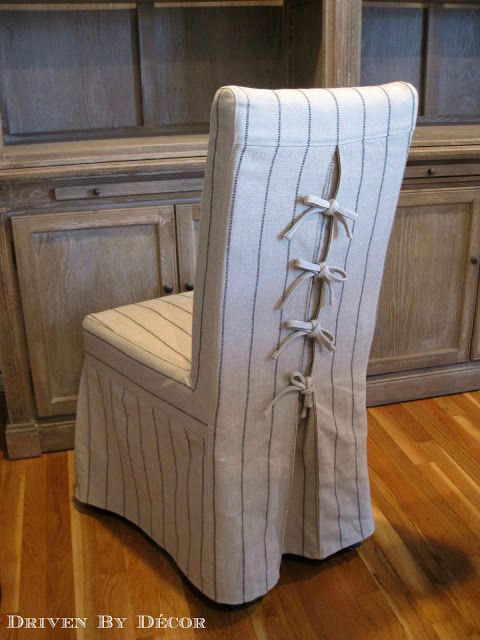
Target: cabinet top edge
446	135
88	157
108	150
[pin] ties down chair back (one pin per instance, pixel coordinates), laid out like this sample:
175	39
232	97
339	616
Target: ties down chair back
300	193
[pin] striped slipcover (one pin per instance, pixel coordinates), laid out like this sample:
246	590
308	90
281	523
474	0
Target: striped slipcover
230	424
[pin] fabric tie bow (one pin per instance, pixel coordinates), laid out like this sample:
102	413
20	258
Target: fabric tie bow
310	329
327	208
301	384
319	270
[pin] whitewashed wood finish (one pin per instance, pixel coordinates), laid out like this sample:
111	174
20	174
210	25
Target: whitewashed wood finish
73	263
187	224
429	289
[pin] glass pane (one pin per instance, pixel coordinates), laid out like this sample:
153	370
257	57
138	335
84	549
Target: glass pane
199	49
391	45
459	62
68	70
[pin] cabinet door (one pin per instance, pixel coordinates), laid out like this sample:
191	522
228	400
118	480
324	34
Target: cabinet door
475	354
188	226
73	264
427	301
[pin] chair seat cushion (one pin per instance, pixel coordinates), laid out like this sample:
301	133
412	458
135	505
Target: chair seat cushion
156	333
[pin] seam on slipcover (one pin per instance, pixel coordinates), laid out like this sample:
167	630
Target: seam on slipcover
149	391
331	143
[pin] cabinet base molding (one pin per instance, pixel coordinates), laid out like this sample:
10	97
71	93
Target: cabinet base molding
57	436
422	383
23	440
32	439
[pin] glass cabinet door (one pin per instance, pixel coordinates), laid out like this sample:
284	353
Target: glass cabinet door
433	45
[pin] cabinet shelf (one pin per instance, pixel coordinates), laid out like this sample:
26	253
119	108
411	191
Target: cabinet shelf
443	141
77	71
80	70
104	150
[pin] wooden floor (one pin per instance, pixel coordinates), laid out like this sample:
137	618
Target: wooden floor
417	577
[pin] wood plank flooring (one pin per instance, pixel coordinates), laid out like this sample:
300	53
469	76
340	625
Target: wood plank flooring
417	577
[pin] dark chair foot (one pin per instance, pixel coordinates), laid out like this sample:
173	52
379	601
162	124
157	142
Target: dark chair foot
354	546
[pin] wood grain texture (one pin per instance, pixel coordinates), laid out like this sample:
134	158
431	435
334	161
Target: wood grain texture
2	146
475	352
341	43
422	383
431	61
459	62
76	263
159	63
12	501
101	170
303	47
77	5
12	337
461	136
88	80
416	578
434	45
146	42
434	170
198	50
433	143
391	44
187	218
59	154
429	288
138	188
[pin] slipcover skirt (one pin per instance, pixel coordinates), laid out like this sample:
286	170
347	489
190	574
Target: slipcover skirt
229	424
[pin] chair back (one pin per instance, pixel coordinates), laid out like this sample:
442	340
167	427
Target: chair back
269	152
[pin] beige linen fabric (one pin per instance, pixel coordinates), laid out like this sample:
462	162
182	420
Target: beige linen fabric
247	439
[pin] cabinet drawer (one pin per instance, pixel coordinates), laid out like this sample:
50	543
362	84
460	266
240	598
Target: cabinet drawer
459	170
94	191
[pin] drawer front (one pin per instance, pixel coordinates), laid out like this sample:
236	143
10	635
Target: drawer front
119	189
72	264
437	170
82	193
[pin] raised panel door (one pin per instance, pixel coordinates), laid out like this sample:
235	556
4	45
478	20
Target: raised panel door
73	264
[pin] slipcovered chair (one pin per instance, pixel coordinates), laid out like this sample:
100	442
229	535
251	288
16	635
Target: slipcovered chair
229	424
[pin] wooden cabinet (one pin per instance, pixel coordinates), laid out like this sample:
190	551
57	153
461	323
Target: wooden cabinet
429	289
72	264
77	237
427	336
426	341
475	353
83	238
72	70
104	116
